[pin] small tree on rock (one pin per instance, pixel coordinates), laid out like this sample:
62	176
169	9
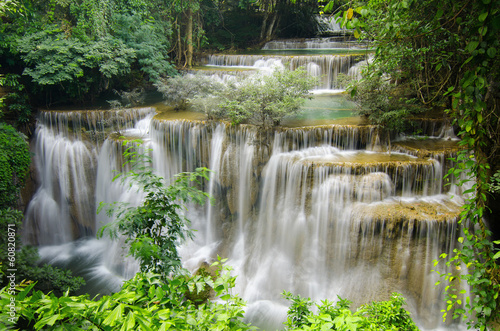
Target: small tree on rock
265	99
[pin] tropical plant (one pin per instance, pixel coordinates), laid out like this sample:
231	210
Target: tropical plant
146	302
383	315
154	229
298	311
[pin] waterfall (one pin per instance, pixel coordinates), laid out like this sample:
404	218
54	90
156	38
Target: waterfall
313	43
318	211
326	66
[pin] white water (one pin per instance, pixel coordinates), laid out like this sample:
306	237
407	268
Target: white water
326	67
312	211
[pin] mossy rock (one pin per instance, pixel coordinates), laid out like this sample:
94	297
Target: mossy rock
199	297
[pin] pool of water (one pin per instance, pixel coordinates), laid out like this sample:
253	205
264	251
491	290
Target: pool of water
322	109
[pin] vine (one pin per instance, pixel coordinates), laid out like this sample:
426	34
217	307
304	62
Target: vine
449	51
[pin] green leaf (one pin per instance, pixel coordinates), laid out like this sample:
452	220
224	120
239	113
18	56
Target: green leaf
226	297
471	46
329	6
47	320
483	16
114	315
492	51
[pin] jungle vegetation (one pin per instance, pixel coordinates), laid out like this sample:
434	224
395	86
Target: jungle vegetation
443	56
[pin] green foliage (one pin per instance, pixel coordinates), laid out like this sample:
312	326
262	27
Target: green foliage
382	102
265	99
298	312
448	51
24	260
495	182
145	302
149	41
388	315
14	165
47	278
155	227
383	315
68	63
78	49
14	106
182	90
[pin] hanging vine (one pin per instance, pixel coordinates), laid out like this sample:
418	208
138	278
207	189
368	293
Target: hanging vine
449	52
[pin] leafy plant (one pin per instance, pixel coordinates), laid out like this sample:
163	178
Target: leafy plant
383	315
15	160
383	102
495	182
146	302
180	90
298	312
265	99
14	106
155	227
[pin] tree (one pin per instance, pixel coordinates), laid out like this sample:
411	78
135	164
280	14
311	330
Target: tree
265	99
76	50
448	52
155	227
181	90
287	18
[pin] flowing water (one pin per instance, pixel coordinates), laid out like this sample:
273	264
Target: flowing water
321	211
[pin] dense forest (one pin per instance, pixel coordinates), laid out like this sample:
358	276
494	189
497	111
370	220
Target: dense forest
439	56
55	52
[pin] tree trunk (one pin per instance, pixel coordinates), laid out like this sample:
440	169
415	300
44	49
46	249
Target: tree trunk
179	45
189	38
270	29
264	26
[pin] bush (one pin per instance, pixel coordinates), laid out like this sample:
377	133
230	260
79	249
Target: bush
383	102
265	99
180	90
383	315
145	302
14	165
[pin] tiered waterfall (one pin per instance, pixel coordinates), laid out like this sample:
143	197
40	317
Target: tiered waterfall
321	211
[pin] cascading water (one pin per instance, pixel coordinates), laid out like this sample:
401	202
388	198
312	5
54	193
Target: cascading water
325	66
308	210
319	211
